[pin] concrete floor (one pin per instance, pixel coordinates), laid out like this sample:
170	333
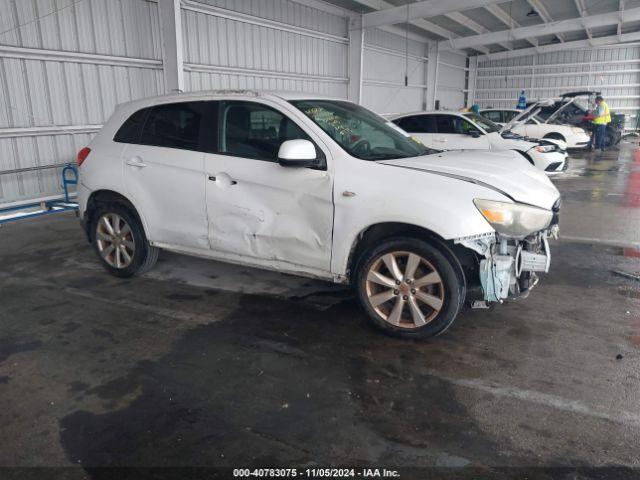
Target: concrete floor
199	363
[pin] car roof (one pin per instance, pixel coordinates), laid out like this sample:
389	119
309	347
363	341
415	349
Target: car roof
213	94
426	112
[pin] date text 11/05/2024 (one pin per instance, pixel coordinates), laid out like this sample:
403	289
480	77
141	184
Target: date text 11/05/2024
315	473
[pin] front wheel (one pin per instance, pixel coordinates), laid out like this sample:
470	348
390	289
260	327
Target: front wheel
409	288
120	242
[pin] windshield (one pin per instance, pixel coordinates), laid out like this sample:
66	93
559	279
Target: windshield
361	133
486	124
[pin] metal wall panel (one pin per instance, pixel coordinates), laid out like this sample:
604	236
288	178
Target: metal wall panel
288	47
613	70
287	12
67	64
387	58
451	80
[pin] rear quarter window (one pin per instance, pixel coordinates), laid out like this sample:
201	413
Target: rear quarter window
131	129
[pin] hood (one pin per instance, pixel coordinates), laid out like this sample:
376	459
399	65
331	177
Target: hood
510	141
506	171
529	112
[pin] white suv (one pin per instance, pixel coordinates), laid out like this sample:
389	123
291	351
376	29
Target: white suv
321	188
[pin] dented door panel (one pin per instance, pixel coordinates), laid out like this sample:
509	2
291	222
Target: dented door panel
258	209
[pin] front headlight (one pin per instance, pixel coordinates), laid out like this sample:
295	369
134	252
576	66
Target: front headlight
578	130
513	219
545	148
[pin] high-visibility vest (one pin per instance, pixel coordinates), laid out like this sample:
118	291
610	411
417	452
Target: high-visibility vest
607	116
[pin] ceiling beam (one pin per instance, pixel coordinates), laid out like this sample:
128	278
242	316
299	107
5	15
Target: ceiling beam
423	9
472	25
544	15
420	23
507	19
555	47
592	21
582	10
621	13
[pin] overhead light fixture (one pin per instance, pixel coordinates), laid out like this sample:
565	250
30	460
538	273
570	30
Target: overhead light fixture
532	13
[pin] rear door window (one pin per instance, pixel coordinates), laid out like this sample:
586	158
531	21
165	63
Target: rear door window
175	125
417	124
445	124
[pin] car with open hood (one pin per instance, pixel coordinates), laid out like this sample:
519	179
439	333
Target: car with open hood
528	124
449	130
317	187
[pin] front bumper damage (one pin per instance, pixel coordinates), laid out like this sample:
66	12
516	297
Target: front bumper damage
508	267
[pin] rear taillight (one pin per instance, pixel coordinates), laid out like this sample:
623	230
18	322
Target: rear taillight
83	154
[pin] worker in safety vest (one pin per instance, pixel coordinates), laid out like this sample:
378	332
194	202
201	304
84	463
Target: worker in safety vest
602	118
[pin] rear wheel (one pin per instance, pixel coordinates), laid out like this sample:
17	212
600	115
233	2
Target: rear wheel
120	242
610	138
409	288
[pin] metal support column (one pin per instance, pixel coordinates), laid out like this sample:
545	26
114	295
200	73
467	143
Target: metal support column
172	50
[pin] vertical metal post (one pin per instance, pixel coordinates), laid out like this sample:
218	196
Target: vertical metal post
432	74
472	81
356	49
172	48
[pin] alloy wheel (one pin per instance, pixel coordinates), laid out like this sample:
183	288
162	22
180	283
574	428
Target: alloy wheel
115	241
404	289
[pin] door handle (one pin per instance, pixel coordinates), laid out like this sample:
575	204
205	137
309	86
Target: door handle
136	162
440	140
213	179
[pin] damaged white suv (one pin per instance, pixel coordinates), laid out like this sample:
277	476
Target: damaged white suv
321	188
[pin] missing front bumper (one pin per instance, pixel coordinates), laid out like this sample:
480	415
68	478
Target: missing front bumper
509	267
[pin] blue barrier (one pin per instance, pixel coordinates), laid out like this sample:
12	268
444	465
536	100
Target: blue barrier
48	207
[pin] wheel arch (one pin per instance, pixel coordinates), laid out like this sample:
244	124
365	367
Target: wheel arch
464	260
110	196
555	136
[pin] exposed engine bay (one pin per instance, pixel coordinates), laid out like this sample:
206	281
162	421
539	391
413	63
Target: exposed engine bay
510	266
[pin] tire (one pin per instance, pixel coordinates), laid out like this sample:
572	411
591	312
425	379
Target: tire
610	138
444	293
135	255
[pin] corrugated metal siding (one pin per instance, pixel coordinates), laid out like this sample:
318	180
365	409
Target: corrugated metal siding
451	81
287	12
225	49
614	70
68	65
385	64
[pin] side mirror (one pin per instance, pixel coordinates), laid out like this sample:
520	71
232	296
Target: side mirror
474	133
297	153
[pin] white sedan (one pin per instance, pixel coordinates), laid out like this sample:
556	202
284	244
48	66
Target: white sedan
537	127
449	130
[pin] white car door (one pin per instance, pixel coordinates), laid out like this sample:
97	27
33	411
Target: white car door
163	171
455	133
258	211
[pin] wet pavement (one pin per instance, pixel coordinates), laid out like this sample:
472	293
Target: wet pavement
203	364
